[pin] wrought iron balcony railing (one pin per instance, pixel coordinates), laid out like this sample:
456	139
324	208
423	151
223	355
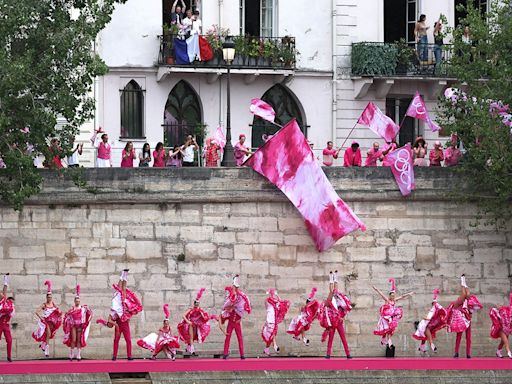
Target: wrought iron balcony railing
250	52
401	59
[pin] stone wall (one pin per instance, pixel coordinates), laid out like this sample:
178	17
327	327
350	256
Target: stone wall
179	230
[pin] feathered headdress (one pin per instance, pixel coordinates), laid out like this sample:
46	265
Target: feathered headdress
48	284
167	313
199	294
312	294
437	291
77	291
271	292
393	285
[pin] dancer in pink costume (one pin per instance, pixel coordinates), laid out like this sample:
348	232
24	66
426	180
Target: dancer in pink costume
195	325
77	322
434	321
163	341
276	311
50	320
236	303
390	314
7	311
459	315
124	305
501	326
308	313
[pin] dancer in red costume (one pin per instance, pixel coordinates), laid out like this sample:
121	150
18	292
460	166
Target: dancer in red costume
236	303
276	311
77	322
501	327
163	341
195	325
434	321
390	314
332	314
50	320
459	315
6	313
124	305
300	324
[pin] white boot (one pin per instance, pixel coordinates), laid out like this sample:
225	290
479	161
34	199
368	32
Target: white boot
77	356
336	276
433	348
331	277
71	354
266	351
499	354
463	281
47	350
509	355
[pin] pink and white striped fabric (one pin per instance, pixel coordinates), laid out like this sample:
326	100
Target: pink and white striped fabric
418	110
401	163
287	161
219	137
373	118
265	111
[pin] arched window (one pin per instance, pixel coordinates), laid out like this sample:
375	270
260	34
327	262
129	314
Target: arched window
286	105
182	115
132	111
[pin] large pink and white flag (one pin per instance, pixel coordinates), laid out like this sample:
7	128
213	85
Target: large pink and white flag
402	166
418	110
265	111
373	118
220	138
287	161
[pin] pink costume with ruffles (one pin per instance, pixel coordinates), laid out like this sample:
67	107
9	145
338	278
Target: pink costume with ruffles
7	310
390	315
436	320
235	305
276	311
121	309
52	319
163	341
78	318
331	316
200	322
303	321
459	314
501	319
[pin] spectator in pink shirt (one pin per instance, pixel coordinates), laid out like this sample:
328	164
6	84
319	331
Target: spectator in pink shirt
329	154
104	159
352	156
436	155
128	155
389	147
452	154
159	156
373	155
240	150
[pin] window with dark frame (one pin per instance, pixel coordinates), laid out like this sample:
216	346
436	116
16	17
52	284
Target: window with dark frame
132	111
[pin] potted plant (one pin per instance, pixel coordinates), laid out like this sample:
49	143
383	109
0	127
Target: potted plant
288	52
170	33
253	51
405	57
240	50
215	37
267	48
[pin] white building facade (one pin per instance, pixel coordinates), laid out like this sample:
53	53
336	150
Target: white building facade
147	97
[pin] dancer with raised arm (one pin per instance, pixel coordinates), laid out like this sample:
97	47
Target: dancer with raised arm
301	323
501	326
195	325
390	314
124	305
236	303
50	320
163	341
459	315
6	313
276	311
433	321
77	322
332	314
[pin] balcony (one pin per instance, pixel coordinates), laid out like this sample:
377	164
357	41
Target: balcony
254	56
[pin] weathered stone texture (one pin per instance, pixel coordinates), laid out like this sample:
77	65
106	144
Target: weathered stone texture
200	232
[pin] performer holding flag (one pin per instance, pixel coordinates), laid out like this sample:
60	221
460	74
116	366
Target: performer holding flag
6	313
50	320
76	327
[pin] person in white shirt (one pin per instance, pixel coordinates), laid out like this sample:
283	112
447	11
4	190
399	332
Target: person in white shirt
197	24
189	149
186	26
72	158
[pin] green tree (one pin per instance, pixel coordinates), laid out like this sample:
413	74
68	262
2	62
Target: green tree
47	69
483	67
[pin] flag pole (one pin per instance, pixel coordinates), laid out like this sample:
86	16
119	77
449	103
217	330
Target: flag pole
352	130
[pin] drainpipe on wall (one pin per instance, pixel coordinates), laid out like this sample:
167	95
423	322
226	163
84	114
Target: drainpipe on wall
220	77
334	72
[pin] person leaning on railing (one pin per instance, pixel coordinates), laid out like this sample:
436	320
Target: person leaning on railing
438	41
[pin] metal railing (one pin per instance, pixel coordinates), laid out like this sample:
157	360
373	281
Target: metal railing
250	52
400	59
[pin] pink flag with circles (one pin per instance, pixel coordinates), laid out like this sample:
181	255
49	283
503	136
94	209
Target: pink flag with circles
402	166
373	118
418	110
265	111
287	161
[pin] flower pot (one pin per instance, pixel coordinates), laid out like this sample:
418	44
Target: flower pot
170	60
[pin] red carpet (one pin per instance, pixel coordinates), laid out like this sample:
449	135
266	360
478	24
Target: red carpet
234	364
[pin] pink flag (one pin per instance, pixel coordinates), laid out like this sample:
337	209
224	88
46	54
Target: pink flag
418	110
378	122
219	137
287	161
401	164
263	110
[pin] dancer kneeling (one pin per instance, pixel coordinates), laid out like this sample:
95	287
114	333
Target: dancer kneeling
300	324
332	314
50	320
434	321
390	314
77	322
501	327
276	311
164	341
124	305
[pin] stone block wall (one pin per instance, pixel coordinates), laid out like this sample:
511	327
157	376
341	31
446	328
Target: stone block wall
179	230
